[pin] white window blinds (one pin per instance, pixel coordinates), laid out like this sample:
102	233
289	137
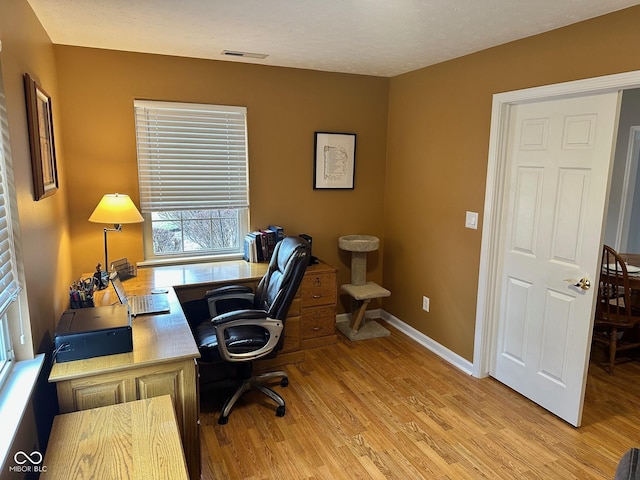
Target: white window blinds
191	156
8	276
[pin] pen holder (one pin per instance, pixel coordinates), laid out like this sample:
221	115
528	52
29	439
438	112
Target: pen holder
87	303
81	293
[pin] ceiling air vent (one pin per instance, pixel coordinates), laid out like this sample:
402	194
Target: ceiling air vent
235	53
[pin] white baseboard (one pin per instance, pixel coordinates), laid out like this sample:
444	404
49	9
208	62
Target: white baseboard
443	352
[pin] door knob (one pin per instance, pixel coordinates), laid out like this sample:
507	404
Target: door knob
583	283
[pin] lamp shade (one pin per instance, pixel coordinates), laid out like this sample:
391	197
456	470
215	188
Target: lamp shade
116	208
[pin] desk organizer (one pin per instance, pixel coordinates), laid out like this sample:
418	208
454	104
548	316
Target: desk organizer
124	268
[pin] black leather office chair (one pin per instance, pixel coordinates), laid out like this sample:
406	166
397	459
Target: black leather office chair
243	326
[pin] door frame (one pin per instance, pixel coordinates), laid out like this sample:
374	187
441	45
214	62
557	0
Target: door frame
488	300
628	189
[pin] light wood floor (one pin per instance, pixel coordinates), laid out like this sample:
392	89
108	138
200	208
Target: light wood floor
389	409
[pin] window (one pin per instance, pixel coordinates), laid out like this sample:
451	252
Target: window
193	178
6	354
9	288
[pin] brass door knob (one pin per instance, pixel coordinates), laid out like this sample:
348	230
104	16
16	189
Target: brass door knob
583	283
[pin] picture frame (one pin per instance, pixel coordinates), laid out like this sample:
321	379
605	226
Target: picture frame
41	140
334	161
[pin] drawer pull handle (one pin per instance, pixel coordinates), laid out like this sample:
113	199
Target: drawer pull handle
315	329
317	296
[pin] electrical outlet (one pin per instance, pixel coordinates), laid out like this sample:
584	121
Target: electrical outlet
425	304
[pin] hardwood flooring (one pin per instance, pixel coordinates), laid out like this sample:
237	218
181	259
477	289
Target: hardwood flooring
389	409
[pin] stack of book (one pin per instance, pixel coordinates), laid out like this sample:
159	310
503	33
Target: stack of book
259	244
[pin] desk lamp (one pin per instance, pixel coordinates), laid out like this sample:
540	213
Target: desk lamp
115	208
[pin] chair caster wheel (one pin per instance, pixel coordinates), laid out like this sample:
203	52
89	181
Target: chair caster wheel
284	382
280	411
224	420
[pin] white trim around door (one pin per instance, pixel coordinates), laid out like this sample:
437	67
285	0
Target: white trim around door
487	304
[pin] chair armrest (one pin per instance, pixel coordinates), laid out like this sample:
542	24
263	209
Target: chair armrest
227	290
248	314
240	318
229	298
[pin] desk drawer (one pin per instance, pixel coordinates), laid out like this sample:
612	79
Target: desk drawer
318	322
318	289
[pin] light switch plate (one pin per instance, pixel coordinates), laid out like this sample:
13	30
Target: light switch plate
471	220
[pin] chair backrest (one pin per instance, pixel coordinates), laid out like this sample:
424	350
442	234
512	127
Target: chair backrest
278	287
614	294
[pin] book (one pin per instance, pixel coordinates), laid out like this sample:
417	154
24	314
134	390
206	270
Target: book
250	253
260	250
269	236
279	231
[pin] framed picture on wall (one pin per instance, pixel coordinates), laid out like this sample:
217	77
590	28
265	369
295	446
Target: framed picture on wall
43	152
335	160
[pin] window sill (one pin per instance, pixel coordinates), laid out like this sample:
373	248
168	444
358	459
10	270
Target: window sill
156	262
14	399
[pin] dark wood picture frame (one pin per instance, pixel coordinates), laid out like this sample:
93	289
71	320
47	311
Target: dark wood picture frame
41	140
335	160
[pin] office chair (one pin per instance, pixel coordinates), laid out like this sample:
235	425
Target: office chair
617	311
243	326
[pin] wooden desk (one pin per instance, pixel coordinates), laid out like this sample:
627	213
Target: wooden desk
163	362
134	440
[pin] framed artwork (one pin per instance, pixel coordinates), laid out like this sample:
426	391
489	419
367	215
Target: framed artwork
335	160
43	152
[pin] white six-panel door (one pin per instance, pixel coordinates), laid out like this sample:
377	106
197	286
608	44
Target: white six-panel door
559	156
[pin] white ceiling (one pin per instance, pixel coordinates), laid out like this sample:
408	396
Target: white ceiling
369	37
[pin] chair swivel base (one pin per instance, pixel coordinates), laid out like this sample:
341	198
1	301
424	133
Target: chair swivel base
257	383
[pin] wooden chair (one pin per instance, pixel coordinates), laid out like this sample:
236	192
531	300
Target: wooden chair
616	316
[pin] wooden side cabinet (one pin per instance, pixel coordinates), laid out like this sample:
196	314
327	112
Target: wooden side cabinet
176	379
318	297
311	321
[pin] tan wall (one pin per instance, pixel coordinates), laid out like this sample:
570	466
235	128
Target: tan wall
44	224
44	242
285	107
439	120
